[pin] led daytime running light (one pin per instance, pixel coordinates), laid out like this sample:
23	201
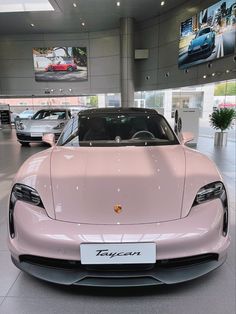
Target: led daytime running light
25	193
209	192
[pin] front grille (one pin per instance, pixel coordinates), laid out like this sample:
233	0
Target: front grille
167	263
188	261
50	262
120	267
27	137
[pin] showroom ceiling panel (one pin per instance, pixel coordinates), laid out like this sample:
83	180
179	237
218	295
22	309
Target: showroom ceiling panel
79	15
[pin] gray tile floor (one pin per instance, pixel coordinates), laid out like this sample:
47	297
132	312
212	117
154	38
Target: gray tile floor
22	294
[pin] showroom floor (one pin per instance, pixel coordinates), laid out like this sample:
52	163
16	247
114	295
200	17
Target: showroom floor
22	294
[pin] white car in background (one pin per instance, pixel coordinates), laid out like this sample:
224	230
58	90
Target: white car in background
26	114
43	121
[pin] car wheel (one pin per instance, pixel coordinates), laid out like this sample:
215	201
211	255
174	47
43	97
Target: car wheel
24	143
50	69
70	69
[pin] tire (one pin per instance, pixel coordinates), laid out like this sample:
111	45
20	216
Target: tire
50	69
24	143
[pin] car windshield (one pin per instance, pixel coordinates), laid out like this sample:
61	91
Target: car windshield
27	112
50	115
204	31
117	129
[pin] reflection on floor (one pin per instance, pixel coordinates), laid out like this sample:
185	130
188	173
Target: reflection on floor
22	294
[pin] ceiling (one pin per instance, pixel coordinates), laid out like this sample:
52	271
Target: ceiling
96	14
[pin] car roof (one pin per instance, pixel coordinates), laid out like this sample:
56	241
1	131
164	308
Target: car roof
53	109
117	110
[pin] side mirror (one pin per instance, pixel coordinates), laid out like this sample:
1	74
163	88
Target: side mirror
49	139
186	137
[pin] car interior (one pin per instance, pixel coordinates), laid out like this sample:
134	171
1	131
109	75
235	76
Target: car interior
123	128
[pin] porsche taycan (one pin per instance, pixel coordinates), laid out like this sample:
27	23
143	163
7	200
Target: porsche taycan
119	200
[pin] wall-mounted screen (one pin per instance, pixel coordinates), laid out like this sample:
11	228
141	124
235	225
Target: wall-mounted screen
208	35
60	64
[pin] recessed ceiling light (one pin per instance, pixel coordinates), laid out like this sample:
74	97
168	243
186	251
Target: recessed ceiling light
83	24
32	25
162	3
204	76
213	74
74	5
227	71
118	3
25	6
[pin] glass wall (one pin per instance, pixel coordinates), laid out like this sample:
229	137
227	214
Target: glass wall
149	99
206	98
77	103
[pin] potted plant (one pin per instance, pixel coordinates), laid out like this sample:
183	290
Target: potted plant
222	119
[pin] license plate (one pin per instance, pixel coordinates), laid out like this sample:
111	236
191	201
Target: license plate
36	134
118	253
197	48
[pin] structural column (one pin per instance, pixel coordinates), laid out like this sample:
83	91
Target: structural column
167	103
127	61
208	100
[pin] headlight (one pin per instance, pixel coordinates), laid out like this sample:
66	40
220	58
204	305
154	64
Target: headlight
21	192
208	36
209	192
59	126
27	194
19	125
213	191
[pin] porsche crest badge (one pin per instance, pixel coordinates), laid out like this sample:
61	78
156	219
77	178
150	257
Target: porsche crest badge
118	208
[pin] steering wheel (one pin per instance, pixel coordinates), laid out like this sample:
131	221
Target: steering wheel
137	134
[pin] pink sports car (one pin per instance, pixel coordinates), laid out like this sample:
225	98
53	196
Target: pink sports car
118	201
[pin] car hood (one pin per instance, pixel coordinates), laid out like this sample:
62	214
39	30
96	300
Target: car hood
40	125
147	182
199	40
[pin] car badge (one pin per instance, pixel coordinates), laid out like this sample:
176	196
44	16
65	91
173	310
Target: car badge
118	209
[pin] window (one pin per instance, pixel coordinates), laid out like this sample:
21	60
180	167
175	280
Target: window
67	131
50	115
204	31
118	129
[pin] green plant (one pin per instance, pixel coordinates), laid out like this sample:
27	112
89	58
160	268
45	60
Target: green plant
94	101
222	119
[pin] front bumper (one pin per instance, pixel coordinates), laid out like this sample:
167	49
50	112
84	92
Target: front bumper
26	137
201	50
186	248
163	272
